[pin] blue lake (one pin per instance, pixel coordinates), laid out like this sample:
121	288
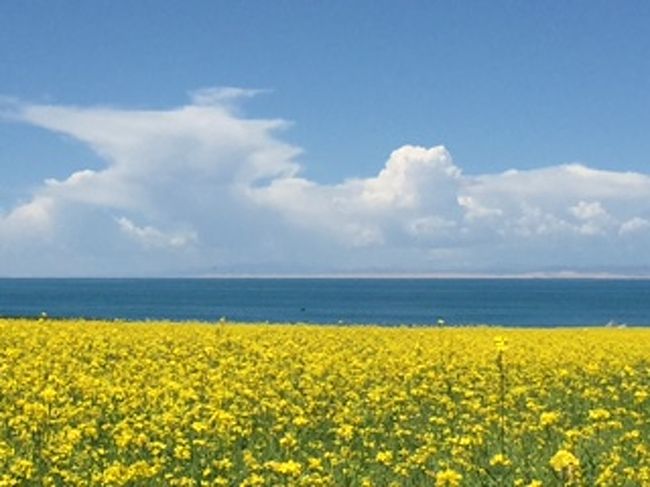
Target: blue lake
508	302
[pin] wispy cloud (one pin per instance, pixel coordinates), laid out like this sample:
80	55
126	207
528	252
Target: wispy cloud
223	94
202	189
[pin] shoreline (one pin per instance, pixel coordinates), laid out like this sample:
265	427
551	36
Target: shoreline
285	324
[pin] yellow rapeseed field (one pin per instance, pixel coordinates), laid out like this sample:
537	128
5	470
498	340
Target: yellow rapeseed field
107	403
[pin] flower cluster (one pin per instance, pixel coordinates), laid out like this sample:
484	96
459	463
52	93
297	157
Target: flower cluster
98	403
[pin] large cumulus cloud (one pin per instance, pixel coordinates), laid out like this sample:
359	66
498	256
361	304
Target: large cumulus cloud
201	189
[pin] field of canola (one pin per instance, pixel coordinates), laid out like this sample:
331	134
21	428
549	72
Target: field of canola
98	403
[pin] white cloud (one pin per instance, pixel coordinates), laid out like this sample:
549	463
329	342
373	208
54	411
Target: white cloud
588	211
201	189
474	211
634	226
222	94
29	219
409	178
595	219
366	212
149	236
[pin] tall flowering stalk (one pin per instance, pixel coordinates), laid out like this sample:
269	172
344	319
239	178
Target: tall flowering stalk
501	347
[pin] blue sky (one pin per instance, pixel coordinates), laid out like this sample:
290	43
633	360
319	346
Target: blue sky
531	86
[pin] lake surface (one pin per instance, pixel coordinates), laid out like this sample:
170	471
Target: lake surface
509	302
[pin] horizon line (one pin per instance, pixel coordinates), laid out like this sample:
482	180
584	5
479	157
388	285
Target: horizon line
563	275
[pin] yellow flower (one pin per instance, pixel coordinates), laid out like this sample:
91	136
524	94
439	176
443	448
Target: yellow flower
289	468
23	468
105	403
48	395
250	460
315	463
500	460
223	464
182	452
384	457
253	480
199	427
564	460
448	478
300	421
599	414
640	396
115	474
288	441
549	418
500	344
345	431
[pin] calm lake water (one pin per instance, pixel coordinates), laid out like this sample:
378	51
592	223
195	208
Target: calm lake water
509	302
